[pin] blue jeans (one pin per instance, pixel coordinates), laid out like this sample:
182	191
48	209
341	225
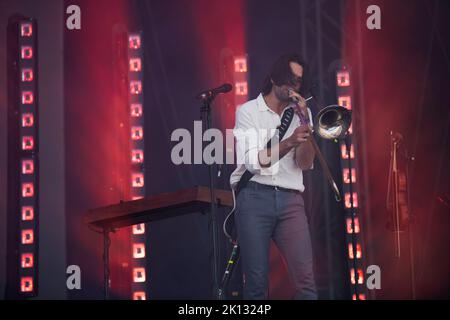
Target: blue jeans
263	213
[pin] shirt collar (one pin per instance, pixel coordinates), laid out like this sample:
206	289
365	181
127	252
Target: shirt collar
262	105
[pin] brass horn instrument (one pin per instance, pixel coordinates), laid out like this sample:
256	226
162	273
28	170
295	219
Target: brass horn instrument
332	122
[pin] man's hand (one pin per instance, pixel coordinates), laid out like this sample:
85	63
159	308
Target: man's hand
299	136
300	106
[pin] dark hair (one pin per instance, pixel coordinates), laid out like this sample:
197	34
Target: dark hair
281	71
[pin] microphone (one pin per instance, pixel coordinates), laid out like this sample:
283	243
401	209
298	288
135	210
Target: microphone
211	93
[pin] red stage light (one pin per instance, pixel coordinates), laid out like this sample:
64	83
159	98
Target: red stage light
27	143
346	175
344	154
27	97
136	110
138	250
27	120
139	228
343	79
27	236
347	200
137	133
137	156
241	88
349	225
135	64
26	260
27	75
134	41
361	296
135	87
138	274
345	101
26	29
137	198
27	52
26	284
360	276
27	213
240	64
358	251
139	295
27	166
27	190
137	180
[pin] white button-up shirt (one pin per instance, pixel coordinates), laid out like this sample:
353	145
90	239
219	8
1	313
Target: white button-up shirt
256	117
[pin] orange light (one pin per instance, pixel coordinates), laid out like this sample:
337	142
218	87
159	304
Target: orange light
346	176
135	64
138	274
345	101
137	180
137	133
136	110
343	79
27	166
135	87
134	41
27	190
27	213
138	250
361	296
27	97
27	143
358	251
139	228
26	29
27	75
27	52
139	295
240	64
360	276
241	88
27	236
348	204
137	156
344	154
349	225
27	120
26	260
26	284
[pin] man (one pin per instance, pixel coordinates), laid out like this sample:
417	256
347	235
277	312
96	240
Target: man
270	205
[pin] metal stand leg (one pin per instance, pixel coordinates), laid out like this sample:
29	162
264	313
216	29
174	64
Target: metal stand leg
106	245
232	261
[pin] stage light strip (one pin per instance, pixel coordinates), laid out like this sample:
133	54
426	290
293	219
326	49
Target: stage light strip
350	179
29	168
240	79
23	158
139	270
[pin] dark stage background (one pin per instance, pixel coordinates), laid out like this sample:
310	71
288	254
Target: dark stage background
401	74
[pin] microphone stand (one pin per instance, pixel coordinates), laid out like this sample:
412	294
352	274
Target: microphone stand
205	112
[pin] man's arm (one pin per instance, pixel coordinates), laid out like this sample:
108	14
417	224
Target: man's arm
304	154
269	156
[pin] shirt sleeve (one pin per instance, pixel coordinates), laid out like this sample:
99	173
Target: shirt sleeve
246	134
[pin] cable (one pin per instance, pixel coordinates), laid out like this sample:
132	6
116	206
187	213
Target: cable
224	227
